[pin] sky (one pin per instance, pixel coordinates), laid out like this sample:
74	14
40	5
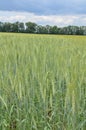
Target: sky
51	12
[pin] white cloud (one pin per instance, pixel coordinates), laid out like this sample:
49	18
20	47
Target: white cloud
12	18
59	20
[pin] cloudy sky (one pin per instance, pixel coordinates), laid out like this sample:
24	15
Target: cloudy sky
52	12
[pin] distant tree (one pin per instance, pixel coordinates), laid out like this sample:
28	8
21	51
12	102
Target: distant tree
7	27
42	29
31	27
80	31
15	27
18	27
21	27
48	27
1	27
84	30
54	30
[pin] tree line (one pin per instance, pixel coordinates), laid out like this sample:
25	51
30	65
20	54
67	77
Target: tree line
30	27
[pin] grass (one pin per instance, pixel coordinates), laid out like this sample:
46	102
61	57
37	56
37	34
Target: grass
42	82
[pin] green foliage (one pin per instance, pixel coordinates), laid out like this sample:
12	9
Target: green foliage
31	27
42	82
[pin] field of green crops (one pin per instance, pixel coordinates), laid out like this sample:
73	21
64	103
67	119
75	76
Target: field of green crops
42	82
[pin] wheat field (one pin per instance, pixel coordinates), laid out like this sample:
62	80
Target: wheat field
42	82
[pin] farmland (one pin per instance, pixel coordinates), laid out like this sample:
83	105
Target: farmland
42	82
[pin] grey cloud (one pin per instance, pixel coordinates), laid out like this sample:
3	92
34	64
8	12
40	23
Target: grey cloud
45	7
